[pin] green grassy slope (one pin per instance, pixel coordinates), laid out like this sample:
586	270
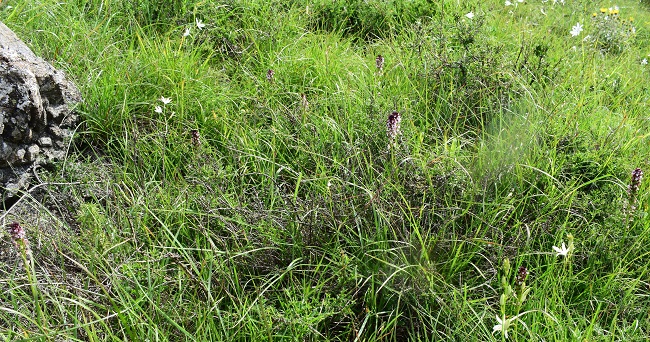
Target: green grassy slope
274	206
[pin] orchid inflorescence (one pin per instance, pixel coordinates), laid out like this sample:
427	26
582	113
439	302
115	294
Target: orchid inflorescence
19	237
196	137
635	182
633	190
392	125
380	63
303	100
522	274
269	75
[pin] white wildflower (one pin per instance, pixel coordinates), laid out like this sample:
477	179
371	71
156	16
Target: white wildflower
576	30
199	24
502	326
187	32
470	15
564	251
158	109
165	100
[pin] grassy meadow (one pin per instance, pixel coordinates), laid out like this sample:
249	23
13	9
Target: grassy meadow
237	176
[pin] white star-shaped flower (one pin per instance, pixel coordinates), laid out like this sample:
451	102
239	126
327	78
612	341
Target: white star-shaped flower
502	326
508	3
165	100
158	109
470	15
199	24
187	32
644	61
564	251
576	30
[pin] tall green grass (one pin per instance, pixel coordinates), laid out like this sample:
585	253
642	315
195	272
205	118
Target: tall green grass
293	222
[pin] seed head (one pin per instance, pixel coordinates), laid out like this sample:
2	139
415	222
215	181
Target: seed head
392	125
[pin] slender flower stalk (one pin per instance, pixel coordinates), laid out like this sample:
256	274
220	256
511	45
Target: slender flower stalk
19	238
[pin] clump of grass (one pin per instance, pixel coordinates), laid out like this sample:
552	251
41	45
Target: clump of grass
612	33
467	75
368	20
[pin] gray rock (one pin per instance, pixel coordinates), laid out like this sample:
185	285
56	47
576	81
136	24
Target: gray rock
35	112
45	141
32	152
